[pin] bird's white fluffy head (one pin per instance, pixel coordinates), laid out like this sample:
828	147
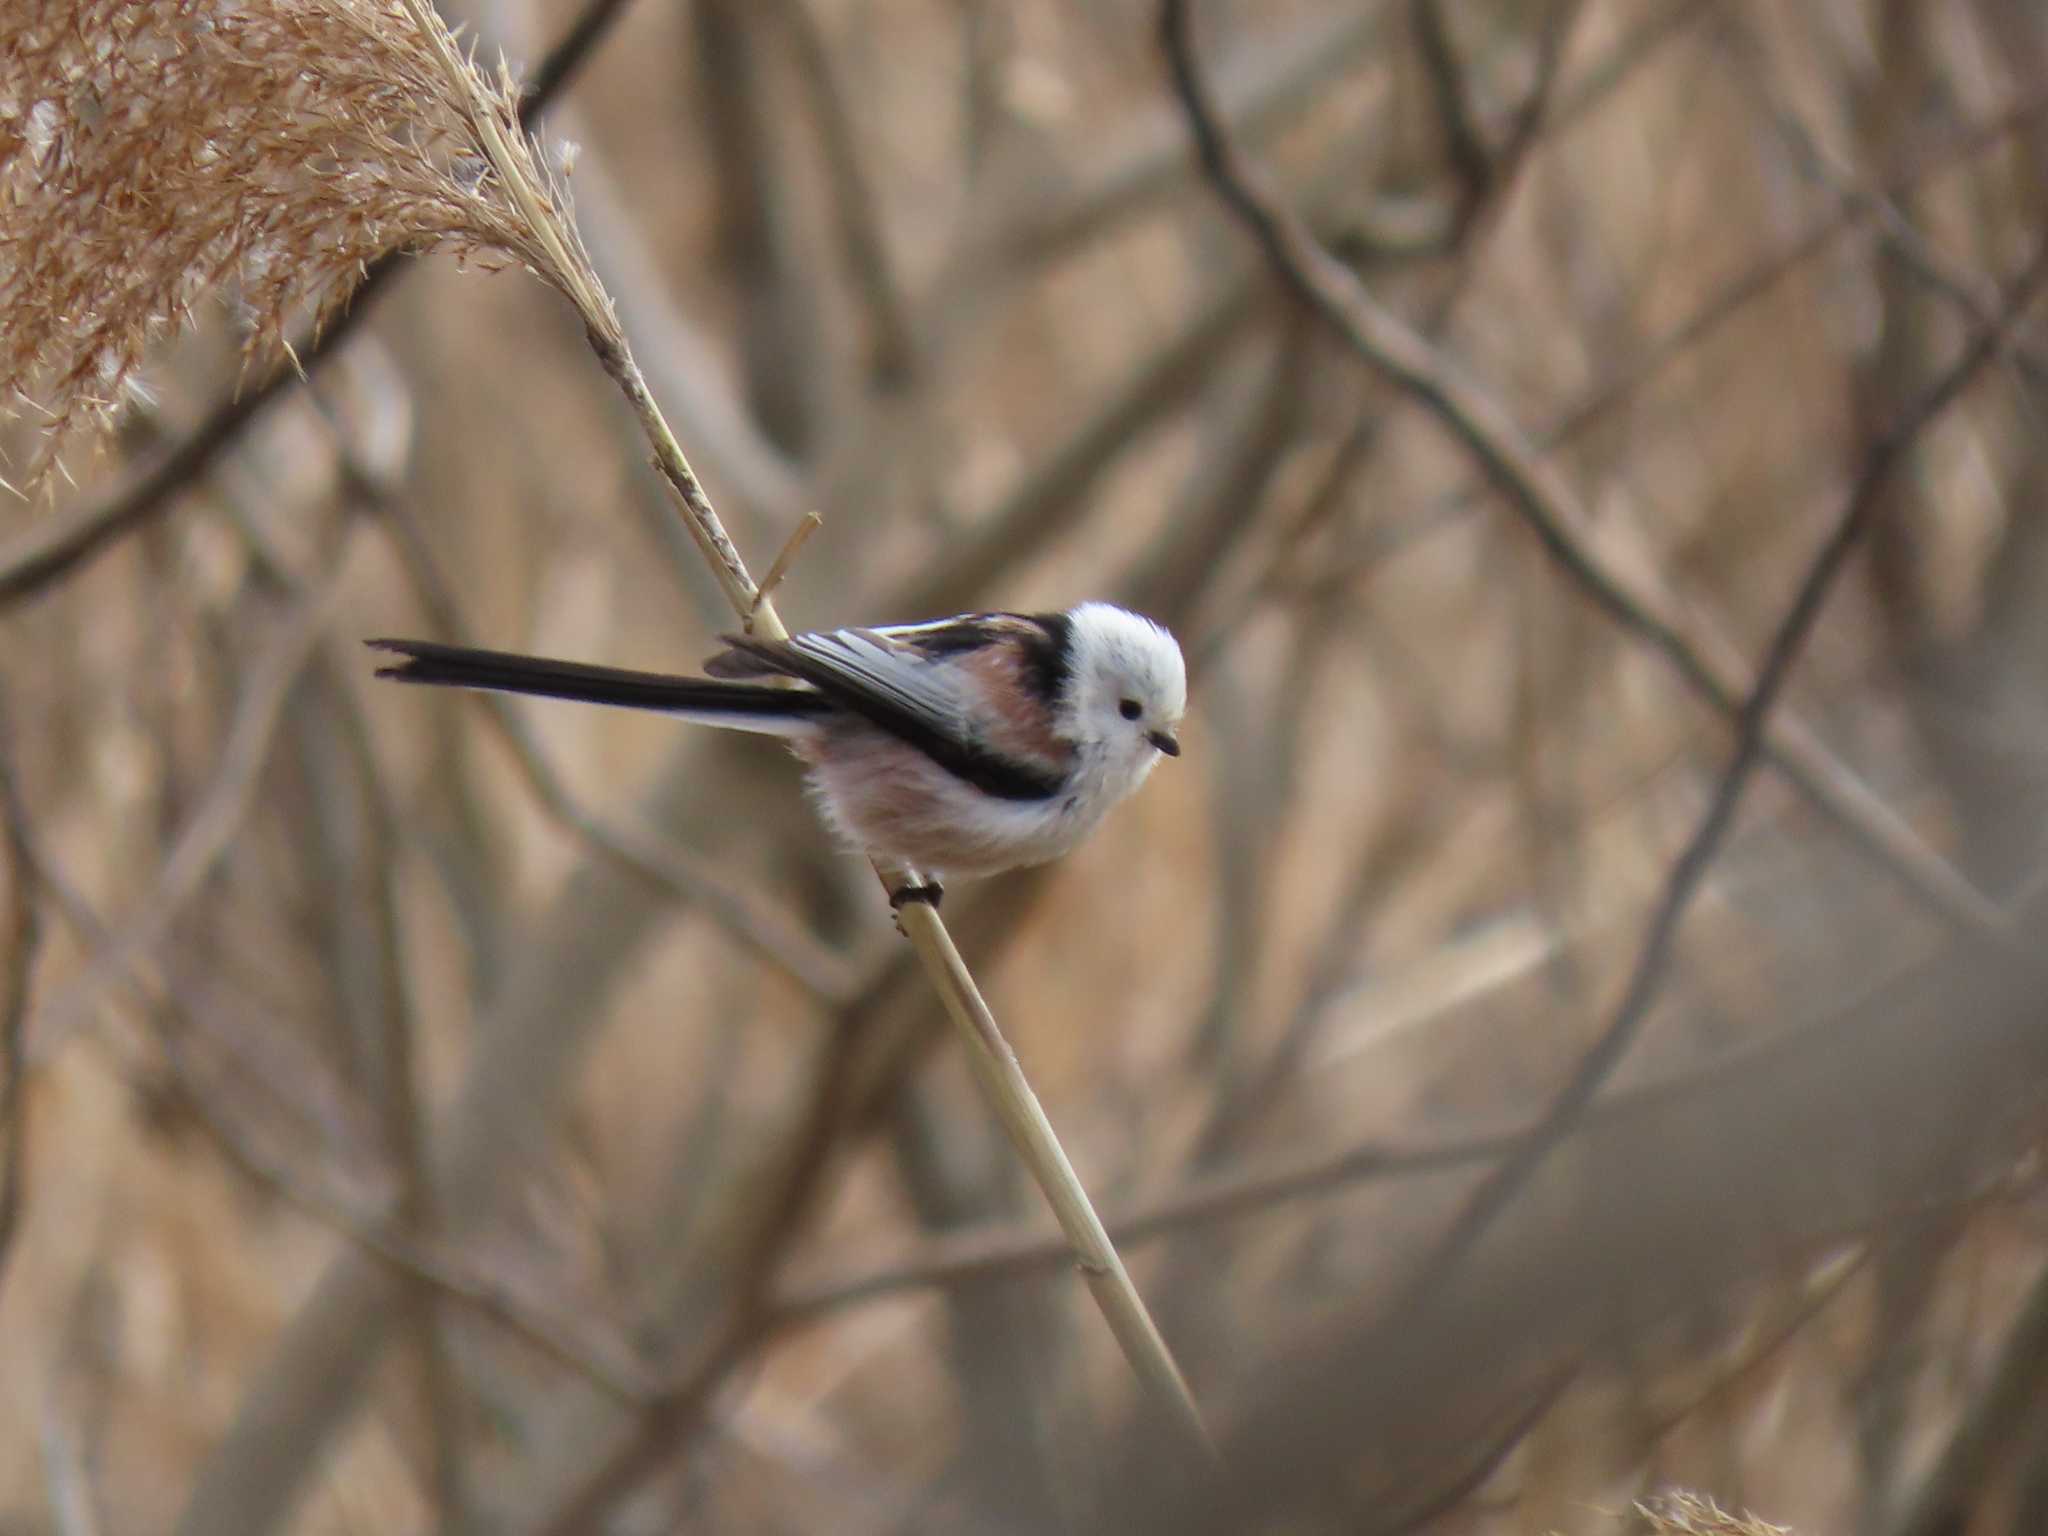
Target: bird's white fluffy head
1116	659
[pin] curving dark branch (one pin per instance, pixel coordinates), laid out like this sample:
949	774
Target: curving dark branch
1538	493
1689	872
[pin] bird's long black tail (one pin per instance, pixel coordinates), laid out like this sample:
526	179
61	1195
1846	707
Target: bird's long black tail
737	706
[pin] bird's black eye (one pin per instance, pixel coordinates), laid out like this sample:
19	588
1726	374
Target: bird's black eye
1130	709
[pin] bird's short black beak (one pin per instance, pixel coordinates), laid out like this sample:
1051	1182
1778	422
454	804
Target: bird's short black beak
1164	741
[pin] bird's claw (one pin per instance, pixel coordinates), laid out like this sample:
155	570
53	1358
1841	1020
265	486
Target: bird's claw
930	892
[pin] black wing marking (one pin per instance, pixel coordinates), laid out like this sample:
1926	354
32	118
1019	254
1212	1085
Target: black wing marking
1044	639
460	666
893	679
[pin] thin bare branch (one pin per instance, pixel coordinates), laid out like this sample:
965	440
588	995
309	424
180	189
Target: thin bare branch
1950	1489
1482	1460
807	525
748	1319
857	212
1007	1089
73	1509
769	932
393	1087
973	1258
24	941
1849	214
212	827
1688	873
1262	84
1469	155
1821	1293
1539	494
605	1363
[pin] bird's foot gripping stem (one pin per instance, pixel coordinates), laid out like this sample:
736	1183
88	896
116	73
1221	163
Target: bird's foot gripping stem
917	888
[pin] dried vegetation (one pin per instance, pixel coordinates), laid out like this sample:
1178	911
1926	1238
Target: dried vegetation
157	160
422	1113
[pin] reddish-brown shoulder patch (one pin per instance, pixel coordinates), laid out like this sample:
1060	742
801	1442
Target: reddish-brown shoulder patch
1018	723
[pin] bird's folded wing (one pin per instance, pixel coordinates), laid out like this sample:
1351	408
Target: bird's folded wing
898	687
860	670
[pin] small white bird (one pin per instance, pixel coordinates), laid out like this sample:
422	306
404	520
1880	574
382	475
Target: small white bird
959	747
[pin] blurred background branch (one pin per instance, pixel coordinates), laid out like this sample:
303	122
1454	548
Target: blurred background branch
556	1052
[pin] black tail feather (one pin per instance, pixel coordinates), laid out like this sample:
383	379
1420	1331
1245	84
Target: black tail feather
459	666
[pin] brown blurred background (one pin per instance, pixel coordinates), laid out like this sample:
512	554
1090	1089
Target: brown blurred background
440	1118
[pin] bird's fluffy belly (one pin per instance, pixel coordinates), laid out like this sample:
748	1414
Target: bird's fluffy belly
883	797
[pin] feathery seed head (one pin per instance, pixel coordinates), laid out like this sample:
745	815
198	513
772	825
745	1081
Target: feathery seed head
155	151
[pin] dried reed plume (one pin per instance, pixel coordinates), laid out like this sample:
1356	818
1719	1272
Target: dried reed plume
1680	1513
151	153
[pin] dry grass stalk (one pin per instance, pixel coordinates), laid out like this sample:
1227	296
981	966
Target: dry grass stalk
996	1066
153	153
1678	1512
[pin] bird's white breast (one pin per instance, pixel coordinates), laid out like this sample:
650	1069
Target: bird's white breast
886	798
